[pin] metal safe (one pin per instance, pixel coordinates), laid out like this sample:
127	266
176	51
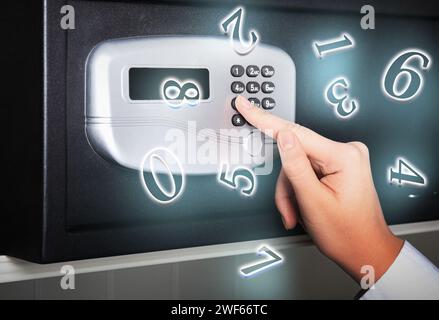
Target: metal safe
68	195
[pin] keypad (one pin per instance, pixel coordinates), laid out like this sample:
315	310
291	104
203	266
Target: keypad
237	70
253	80
238	120
252	71
255	101
268	103
233	103
253	87
267	87
238	87
267	71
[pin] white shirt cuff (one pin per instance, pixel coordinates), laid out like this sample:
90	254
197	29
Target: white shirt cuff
411	276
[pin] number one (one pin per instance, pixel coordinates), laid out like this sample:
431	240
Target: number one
334	45
415	177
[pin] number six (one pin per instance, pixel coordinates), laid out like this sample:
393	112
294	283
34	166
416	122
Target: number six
398	68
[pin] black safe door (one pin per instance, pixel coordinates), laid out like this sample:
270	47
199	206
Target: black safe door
95	208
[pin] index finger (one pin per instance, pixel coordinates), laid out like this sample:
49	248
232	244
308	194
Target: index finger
264	121
316	146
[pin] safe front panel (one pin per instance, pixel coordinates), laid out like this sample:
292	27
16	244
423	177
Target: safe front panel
94	207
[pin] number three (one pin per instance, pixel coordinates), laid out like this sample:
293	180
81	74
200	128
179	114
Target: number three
344	107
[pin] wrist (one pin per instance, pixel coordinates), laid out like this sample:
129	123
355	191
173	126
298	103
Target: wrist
378	252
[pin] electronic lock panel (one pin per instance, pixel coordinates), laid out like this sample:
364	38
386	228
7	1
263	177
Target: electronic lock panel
141	92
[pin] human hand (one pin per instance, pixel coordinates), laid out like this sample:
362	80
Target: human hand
328	187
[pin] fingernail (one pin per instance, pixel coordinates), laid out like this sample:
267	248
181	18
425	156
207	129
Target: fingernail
243	102
286	140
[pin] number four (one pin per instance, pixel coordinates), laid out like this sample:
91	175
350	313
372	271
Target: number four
406	173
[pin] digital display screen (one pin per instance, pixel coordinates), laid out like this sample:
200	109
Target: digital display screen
168	83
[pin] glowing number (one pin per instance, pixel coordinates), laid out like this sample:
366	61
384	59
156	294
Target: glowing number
406	172
151	182
175	94
235	19
401	81
238	174
333	45
341	103
260	266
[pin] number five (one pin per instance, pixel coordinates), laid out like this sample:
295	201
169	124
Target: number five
240	173
399	68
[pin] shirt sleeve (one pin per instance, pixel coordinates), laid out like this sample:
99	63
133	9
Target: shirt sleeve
411	277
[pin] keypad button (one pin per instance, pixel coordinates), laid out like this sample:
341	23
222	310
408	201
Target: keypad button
267	87
268	103
267	71
237	70
233	103
238	87
238	120
255	102
253	87
252	71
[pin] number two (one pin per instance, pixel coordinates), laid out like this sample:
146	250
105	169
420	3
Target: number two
236	36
